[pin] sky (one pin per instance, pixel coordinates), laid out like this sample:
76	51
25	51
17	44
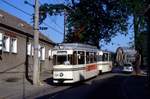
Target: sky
55	24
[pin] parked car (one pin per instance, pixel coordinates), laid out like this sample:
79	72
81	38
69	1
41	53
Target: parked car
127	68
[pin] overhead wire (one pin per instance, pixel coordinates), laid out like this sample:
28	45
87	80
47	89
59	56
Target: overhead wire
53	28
52	19
53	22
8	3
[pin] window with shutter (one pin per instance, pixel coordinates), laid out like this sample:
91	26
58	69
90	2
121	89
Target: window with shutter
42	53
13	45
29	48
6	43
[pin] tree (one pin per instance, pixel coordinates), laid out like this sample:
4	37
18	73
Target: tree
136	9
99	19
147	15
90	21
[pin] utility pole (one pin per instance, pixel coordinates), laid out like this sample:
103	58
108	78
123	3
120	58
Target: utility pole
36	72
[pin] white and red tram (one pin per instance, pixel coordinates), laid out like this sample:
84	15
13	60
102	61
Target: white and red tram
74	62
104	61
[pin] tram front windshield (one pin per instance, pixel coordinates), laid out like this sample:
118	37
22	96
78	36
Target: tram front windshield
60	59
69	59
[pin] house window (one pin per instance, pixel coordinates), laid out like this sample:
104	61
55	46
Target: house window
42	50
39	51
50	53
6	43
13	45
32	50
29	48
1	43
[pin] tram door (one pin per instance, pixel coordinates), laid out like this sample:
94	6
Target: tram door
91	64
79	63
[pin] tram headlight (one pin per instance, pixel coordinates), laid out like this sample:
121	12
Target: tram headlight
61	74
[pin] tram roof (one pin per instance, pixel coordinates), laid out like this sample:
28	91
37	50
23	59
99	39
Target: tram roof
75	46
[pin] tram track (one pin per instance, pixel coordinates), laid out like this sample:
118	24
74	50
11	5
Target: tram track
79	85
55	91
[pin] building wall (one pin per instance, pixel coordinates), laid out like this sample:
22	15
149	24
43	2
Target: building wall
18	62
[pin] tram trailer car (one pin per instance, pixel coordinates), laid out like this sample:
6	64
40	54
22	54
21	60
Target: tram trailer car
104	61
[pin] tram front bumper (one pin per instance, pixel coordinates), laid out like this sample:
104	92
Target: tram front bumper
62	77
63	81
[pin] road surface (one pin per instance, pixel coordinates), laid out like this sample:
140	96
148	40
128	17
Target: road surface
106	86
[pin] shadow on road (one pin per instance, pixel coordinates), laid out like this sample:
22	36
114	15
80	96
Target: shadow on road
117	87
49	81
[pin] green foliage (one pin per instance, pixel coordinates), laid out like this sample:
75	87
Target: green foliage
136	8
90	21
52	10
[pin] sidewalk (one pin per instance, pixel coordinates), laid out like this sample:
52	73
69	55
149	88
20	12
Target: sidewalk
13	86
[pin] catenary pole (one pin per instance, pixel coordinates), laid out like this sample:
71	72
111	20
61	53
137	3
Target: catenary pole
36	72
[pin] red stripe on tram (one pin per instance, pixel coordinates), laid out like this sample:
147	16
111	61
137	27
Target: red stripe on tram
91	67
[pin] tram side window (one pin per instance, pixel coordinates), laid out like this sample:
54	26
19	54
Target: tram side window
99	58
110	57
105	57
87	58
90	57
70	59
54	60
81	59
95	57
75	58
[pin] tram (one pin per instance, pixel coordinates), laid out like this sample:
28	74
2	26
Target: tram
74	62
104	61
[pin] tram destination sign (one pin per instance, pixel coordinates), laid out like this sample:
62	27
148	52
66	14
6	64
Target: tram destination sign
61	52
